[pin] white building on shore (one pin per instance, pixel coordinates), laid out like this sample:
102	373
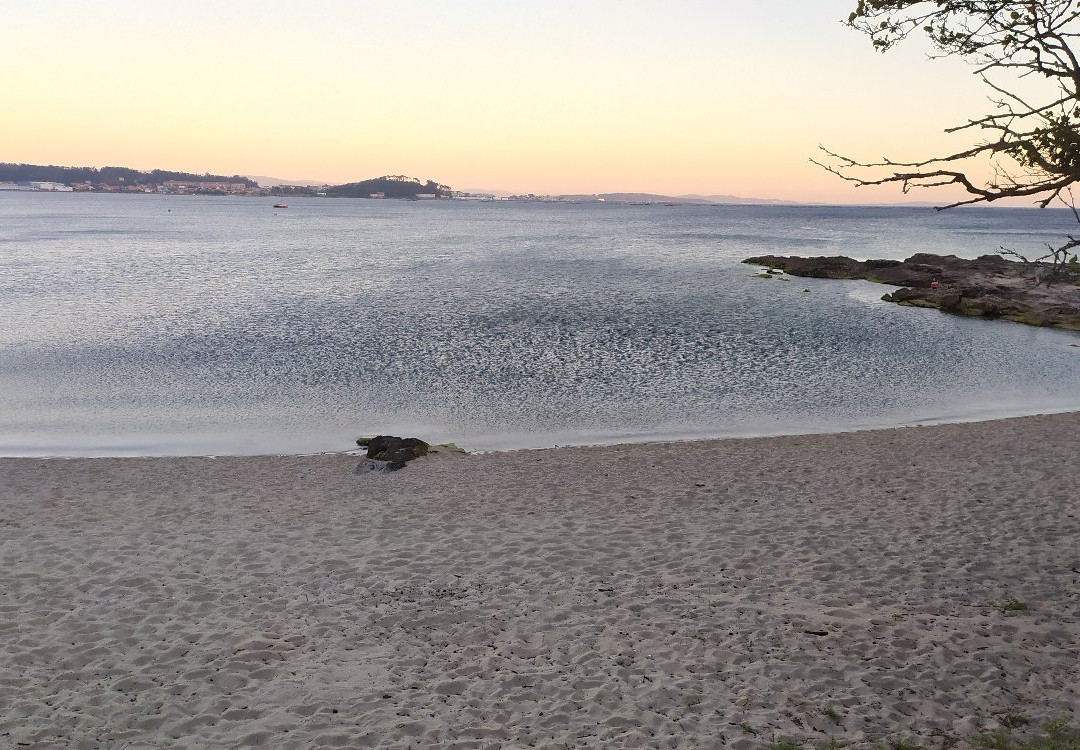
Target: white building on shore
37	186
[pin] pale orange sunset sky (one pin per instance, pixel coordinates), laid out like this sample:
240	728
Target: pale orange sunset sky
552	96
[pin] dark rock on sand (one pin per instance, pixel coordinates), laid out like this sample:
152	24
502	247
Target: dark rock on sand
989	286
395	451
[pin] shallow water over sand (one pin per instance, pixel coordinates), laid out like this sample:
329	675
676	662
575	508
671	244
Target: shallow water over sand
180	325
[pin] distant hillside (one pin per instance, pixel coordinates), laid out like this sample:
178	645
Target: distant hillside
645	198
732	199
693	200
389	187
105	175
683	200
272	181
484	191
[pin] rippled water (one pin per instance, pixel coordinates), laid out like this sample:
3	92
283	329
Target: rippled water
184	325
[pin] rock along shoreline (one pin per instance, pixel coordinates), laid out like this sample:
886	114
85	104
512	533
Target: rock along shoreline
987	287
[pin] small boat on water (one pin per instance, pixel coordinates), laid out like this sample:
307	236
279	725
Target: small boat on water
281	205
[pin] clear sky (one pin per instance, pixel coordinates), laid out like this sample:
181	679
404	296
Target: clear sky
544	96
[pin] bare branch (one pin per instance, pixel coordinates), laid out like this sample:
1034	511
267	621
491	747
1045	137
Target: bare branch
1034	146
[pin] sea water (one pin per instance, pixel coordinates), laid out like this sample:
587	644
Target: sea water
176	325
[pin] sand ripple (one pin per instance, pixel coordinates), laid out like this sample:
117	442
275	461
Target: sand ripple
720	593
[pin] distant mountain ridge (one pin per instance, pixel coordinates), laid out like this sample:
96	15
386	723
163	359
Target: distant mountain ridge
388	186
687	199
738	199
265	181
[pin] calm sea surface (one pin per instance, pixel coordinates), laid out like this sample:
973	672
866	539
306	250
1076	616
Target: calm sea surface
153	325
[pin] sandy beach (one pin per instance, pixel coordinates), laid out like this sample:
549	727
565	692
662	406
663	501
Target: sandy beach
919	583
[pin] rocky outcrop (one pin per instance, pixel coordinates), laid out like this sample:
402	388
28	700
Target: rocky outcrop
989	286
394	452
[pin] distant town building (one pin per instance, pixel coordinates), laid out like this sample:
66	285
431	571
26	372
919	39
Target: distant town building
50	187
36	186
182	186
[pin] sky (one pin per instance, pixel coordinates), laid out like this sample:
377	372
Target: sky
530	96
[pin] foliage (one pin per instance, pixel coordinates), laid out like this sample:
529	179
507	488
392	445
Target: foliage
1025	53
1035	144
1013	719
902	744
1058	736
308	190
105	175
1014	605
390	187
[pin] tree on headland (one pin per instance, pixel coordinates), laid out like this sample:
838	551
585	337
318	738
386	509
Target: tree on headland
389	187
1028	55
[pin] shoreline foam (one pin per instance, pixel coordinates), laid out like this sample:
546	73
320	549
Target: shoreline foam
843	586
578	439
